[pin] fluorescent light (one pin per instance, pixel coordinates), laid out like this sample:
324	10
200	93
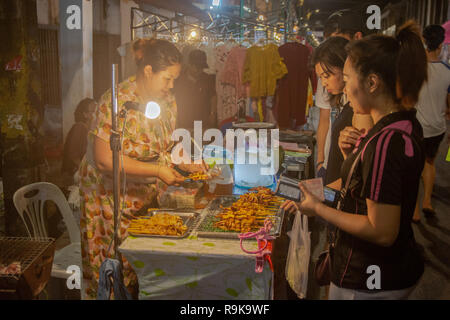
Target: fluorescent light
216	3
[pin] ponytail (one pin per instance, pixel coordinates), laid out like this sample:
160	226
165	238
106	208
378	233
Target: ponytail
400	62
411	64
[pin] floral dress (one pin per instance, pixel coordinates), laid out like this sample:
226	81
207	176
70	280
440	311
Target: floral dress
142	138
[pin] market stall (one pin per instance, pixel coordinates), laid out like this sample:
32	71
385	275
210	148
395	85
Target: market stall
195	269
176	256
207	261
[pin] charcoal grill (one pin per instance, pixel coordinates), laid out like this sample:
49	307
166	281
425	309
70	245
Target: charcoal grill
35	257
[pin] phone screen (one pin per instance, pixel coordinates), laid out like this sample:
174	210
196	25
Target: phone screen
289	191
329	194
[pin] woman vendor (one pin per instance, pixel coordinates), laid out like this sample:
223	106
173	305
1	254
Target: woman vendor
158	65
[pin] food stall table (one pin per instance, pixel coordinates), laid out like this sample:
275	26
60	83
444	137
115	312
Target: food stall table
196	269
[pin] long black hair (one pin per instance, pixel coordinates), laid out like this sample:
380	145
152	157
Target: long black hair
331	54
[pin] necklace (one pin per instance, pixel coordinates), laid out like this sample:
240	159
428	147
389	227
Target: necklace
392	110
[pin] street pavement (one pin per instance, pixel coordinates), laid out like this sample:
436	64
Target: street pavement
433	234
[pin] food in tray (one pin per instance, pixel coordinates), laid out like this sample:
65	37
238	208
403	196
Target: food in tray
198	176
249	211
13	268
162	224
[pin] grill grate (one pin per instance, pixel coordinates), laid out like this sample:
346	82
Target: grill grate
22	250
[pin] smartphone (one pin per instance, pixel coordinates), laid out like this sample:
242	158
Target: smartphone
287	188
331	196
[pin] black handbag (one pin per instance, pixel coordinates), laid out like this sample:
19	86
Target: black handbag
322	268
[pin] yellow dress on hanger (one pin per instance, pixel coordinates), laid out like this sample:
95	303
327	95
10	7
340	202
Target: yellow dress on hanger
262	68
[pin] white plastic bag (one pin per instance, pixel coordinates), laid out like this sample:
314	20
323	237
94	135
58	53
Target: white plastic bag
298	255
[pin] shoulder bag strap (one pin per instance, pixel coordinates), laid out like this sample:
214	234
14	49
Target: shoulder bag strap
344	190
343	193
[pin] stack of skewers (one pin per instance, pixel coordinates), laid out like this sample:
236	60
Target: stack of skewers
249	212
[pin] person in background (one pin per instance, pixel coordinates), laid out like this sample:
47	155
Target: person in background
373	225
195	93
445	52
76	140
431	109
334	116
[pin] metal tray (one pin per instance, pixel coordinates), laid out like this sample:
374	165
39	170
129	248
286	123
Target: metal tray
190	219
206	229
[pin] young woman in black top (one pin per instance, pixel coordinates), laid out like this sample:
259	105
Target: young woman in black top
375	254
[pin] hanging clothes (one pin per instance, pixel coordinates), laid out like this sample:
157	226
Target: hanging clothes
232	75
269	117
225	93
262	68
309	99
293	88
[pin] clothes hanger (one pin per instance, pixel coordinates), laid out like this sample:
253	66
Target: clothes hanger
219	43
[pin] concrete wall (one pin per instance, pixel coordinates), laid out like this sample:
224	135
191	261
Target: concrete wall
75	51
125	36
106	16
47	12
125	19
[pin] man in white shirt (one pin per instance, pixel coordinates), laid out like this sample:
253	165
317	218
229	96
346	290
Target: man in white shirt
431	109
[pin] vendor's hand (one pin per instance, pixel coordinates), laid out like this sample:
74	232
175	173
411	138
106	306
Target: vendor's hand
348	138
308	205
289	206
170	176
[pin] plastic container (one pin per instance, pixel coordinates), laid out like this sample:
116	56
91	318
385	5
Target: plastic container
222	184
249	172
